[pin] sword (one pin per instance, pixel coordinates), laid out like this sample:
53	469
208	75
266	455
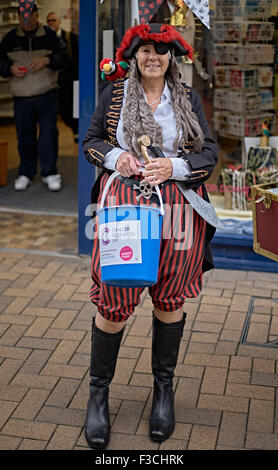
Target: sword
204	208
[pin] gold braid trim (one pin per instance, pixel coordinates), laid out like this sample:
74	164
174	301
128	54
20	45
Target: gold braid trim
203	174
113	114
112	122
92	151
115	106
117	97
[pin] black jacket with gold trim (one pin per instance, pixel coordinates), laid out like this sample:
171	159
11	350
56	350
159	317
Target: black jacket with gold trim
101	138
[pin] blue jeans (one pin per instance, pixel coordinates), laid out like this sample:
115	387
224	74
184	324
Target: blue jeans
30	112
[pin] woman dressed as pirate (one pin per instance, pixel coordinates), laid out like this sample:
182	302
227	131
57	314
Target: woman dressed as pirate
153	102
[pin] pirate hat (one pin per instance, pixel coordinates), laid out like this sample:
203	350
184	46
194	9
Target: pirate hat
164	36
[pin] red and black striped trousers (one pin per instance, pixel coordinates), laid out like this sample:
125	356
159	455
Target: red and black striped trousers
181	256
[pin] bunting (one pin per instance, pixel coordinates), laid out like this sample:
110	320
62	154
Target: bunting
200	8
25	8
148	8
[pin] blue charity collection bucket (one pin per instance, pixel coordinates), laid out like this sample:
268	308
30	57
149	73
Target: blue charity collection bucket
129	242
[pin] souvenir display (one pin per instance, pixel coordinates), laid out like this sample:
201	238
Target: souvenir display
243	101
241	125
263	158
265	76
257	9
244	54
248	9
237	185
233	31
265	219
259	31
243	72
260	167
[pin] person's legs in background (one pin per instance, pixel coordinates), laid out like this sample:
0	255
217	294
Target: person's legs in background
47	109
26	129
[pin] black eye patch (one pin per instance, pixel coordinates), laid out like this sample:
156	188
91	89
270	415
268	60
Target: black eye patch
161	48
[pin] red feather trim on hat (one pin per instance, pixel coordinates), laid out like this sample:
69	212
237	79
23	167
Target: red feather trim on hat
167	35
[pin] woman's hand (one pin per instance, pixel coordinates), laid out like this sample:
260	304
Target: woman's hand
158	171
127	164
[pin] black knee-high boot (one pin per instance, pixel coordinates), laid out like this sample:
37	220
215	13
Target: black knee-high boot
104	354
165	350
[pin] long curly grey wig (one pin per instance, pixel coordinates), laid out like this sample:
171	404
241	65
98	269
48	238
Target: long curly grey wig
138	118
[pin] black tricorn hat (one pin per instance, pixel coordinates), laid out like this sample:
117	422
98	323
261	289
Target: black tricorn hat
153	32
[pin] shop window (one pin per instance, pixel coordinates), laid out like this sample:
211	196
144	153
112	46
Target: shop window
234	72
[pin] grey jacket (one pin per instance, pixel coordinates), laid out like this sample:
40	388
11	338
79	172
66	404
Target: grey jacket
17	48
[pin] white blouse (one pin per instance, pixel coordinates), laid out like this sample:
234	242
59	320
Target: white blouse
165	117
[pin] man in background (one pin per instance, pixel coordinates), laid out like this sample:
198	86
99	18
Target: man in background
69	74
30	57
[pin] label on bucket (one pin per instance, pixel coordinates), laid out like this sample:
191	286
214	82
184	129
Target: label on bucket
120	243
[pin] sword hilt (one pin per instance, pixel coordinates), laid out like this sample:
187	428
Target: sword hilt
144	141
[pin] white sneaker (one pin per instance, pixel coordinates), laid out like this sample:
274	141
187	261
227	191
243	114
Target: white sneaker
53	182
22	183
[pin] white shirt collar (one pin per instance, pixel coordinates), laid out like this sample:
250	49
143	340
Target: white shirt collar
166	94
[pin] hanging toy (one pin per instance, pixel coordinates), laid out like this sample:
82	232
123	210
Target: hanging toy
265	135
179	16
112	71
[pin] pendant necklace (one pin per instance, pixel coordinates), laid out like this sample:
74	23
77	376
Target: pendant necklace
154	102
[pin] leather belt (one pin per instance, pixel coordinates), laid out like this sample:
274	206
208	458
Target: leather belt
133	184
204	208
129	181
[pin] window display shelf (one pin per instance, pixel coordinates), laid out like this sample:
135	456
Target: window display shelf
243	98
244	54
242	9
240	124
247	77
243	101
231	31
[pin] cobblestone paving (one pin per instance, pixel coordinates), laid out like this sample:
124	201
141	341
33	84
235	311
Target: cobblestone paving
226	378
25	231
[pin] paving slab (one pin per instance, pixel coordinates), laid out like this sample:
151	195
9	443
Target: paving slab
225	380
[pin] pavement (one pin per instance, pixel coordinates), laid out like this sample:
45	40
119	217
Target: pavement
225	380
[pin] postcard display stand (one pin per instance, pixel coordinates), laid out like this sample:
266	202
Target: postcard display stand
244	57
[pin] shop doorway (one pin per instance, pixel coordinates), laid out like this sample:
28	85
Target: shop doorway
37	197
113	17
